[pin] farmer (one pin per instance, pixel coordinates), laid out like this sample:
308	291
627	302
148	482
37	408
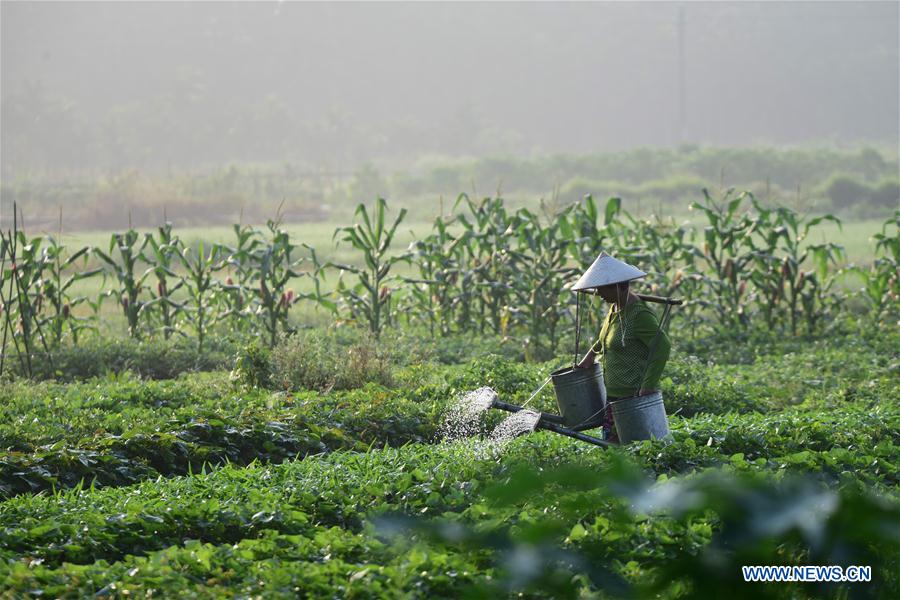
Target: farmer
631	353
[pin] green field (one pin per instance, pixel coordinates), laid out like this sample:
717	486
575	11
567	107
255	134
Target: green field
347	492
204	435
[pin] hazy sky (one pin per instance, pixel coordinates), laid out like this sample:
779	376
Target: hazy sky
216	81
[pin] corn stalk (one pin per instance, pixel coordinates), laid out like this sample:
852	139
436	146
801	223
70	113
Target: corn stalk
162	253
123	257
370	298
200	264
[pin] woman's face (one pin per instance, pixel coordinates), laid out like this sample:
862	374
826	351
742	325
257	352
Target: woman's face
608	292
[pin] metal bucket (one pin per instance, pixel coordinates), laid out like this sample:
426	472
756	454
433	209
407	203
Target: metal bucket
580	394
640	418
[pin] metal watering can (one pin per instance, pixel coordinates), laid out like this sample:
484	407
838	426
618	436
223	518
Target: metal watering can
580	396
641	418
581	399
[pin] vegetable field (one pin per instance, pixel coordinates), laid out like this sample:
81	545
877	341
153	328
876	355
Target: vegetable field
173	426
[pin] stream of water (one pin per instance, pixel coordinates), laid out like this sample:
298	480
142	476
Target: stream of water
515	425
463	420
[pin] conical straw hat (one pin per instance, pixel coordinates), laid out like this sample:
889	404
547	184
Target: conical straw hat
607	270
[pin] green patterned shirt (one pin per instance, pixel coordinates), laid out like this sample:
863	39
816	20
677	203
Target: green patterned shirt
624	363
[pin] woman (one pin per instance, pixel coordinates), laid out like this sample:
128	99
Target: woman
632	349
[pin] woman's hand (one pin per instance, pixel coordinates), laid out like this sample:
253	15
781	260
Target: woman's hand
643	392
587	361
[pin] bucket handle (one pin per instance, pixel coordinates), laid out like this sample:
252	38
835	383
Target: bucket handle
577	327
537	391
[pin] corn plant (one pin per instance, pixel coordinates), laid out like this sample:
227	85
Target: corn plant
543	249
56	285
881	280
662	248
689	285
725	254
161	253
237	289
23	306
369	299
808	289
435	294
767	278
123	256
491	270
587	235
200	263
275	264
13	326
4	306
779	265
880	289
25	300
889	243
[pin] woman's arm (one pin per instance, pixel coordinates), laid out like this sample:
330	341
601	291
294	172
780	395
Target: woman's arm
588	359
646	328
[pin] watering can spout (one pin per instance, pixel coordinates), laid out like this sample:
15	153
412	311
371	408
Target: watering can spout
553	423
513	408
492	396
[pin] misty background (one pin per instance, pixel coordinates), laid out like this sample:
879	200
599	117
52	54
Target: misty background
327	96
